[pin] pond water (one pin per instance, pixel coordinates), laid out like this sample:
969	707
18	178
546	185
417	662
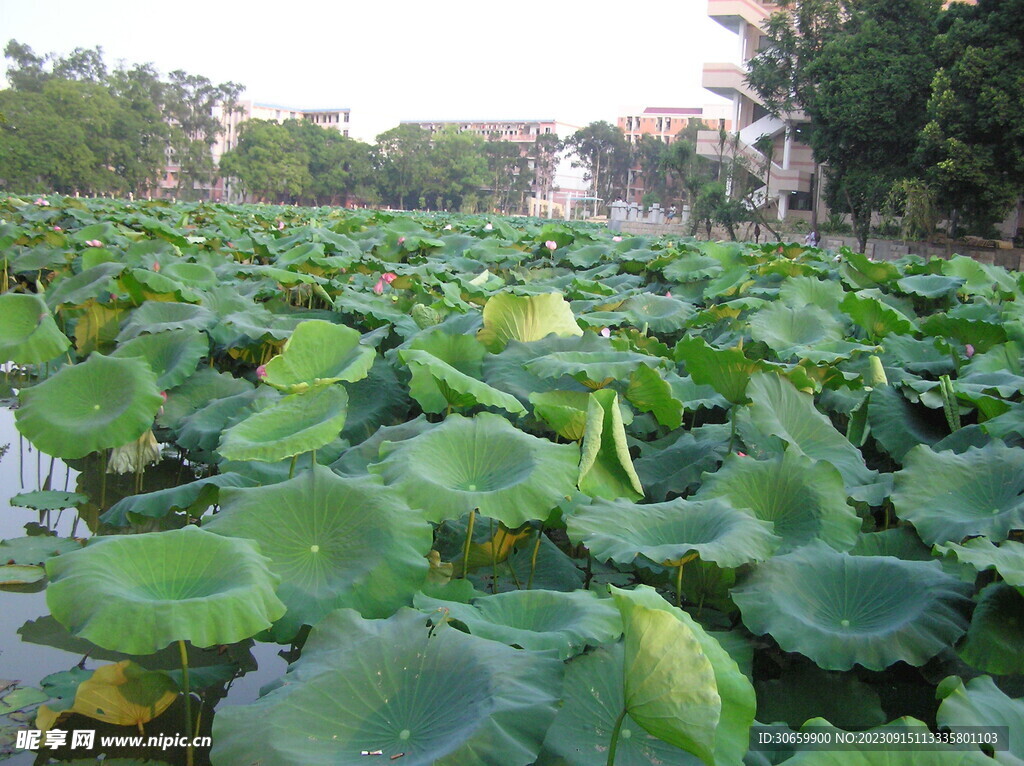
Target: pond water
24	469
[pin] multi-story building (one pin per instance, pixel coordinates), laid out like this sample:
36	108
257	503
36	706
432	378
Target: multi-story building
664	123
568	186
787	170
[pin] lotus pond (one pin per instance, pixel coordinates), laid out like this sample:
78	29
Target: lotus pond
348	487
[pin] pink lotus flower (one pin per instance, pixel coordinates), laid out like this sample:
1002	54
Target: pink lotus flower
668	293
261	372
163	395
741	454
969	350
616	239
379	287
389	277
93	243
401	240
58	229
606	333
42	202
551	244
280	225
488	227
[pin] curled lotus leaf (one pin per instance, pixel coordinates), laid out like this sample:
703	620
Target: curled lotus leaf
592	368
842	610
295	424
97	404
28	333
524	318
333	541
949	496
437	385
668	532
157	316
319	352
443	697
1006	558
482	463
172	354
536	620
138	593
980	703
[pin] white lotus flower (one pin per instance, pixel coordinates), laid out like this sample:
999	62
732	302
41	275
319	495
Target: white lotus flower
136	455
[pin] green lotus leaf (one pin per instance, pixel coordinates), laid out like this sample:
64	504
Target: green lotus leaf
930	285
948	497
48	500
295	424
21	574
143	285
875	317
463	352
981	334
899	426
980	702
377	400
842	610
811	291
660	313
901	542
482	463
35	549
995	640
728	371
680	684
204	428
333	541
552	570
606	469
871	755
138	593
981	553
437	385
449	699
356	460
507	372
564	411
649	391
28	333
157	316
194	497
802	499
99	403
691	267
668	532
524	318
319	352
592	698
677	466
191	274
172	354
91	283
780	410
535	620
203	387
592	368
807	692
791	332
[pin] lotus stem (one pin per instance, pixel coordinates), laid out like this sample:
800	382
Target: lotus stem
679	578
103	480
615	738
469	540
494	559
187	691
533	558
291	470
732	426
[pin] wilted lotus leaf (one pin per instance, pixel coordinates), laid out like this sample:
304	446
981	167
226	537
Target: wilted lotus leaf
28	334
535	619
138	593
482	463
94	405
668	532
297	423
446	698
333	541
843	610
319	352
948	497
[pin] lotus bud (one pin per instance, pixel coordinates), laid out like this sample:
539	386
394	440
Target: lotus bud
741	454
280	225
133	457
58	229
261	372
42	202
606	333
401	240
668	293
968	350
389	277
94	243
379	287
616	239
488	227
156	266
876	373
551	244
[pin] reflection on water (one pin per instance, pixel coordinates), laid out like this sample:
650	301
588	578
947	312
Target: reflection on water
24	469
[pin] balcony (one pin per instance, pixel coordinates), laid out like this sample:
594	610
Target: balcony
730	13
727	79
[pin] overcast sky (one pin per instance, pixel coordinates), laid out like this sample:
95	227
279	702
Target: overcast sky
571	60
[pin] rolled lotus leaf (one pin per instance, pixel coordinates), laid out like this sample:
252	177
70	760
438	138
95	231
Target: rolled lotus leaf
138	593
667	532
297	423
349	542
482	463
447	699
536	619
843	610
28	334
319	352
948	497
97	404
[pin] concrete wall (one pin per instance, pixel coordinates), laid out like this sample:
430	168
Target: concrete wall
891	249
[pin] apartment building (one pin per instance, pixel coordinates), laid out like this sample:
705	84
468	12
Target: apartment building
789	180
516	131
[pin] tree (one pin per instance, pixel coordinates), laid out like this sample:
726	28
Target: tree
508	167
402	163
973	143
649	160
546	150
457	168
269	163
601	149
